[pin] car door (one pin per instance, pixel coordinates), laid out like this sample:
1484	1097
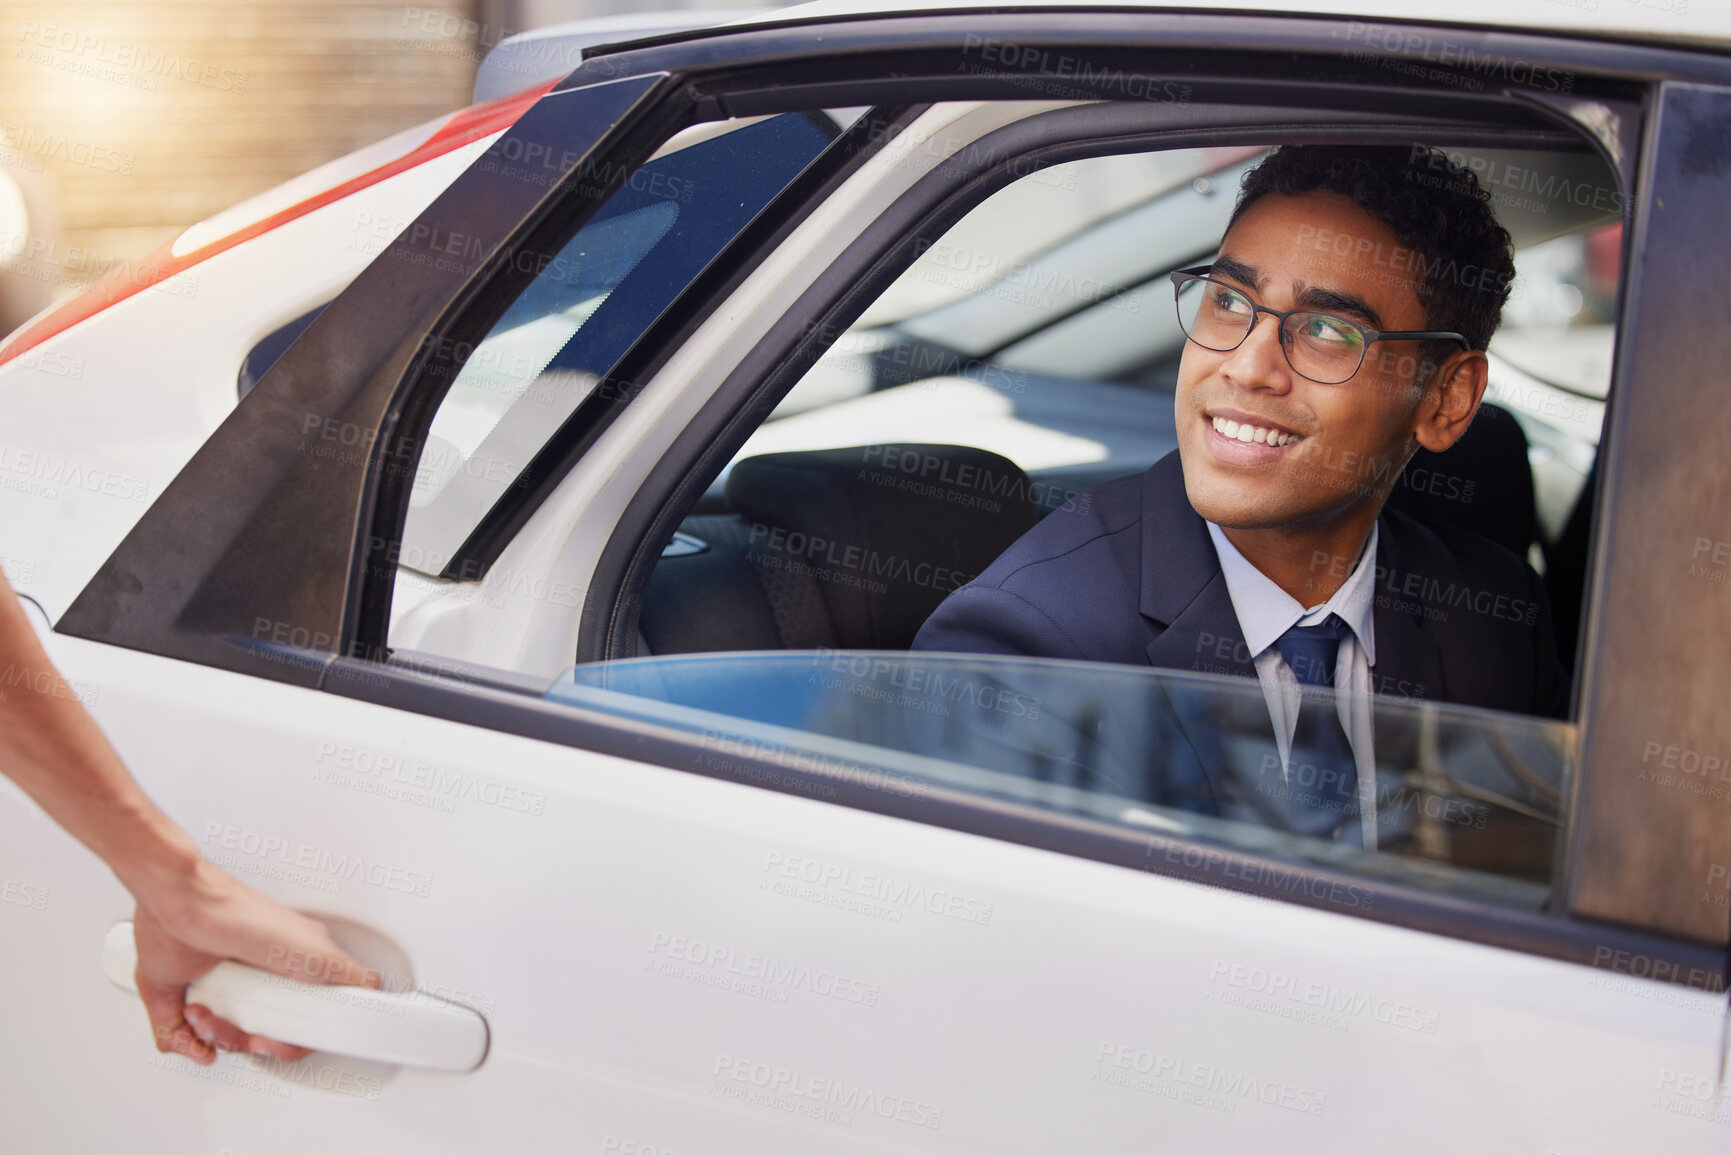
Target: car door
687	934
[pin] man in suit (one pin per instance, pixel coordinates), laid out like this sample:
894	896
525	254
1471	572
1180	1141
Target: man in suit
1341	328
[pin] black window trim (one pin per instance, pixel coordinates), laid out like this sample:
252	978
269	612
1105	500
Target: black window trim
268	349
788	41
1641	855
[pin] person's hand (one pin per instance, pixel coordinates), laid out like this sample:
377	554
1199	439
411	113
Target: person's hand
189	927
191	914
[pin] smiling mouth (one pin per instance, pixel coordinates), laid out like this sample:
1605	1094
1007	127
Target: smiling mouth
1253	434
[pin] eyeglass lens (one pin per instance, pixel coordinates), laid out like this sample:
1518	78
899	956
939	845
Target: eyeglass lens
1323	347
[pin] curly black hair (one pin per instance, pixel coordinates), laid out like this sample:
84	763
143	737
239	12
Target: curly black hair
1438	213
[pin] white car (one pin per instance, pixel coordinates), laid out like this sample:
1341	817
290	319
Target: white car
505	544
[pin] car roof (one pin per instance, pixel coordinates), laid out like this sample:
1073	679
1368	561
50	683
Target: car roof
547	53
1684	23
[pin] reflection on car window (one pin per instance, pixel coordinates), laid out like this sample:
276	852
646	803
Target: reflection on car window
536	326
586	305
1461	801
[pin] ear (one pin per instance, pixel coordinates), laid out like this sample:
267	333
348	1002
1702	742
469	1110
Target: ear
1451	399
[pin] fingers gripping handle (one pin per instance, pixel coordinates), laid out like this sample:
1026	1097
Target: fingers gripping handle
410	1028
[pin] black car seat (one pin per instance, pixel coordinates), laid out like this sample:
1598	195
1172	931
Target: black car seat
1566	570
847	548
1483	483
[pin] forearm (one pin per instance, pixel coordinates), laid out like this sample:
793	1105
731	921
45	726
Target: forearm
53	749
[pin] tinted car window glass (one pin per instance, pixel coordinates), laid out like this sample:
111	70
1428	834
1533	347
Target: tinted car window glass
586	305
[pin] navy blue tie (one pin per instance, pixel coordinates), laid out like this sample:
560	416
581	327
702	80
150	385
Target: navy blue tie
1321	778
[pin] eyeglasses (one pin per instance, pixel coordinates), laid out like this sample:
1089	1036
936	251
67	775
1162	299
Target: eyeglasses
1321	346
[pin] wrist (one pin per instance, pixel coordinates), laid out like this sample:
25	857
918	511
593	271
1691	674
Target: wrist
161	866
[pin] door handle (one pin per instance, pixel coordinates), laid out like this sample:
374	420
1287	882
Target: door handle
408	1028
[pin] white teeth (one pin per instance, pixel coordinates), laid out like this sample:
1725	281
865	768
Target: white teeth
1251	434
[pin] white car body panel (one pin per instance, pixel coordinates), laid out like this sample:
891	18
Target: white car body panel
1109	1009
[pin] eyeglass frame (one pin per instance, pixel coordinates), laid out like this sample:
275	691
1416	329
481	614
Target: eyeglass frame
1201	273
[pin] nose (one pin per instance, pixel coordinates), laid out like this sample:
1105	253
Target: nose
1260	361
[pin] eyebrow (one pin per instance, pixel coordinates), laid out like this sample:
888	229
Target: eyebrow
1238	271
1335	301
1307	296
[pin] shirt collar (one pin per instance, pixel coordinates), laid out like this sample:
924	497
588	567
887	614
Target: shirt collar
1265	611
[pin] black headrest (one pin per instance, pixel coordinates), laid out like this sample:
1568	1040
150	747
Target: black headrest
1483	483
886	531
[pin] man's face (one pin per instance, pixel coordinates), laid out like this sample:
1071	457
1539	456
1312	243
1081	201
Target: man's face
1344	444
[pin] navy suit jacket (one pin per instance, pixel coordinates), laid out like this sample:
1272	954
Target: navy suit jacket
1130	575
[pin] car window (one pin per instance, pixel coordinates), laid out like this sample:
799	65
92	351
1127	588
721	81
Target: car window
1002	380
588	302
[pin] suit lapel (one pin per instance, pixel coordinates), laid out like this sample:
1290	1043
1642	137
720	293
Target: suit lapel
1205	635
1183	589
1407	661
1184	592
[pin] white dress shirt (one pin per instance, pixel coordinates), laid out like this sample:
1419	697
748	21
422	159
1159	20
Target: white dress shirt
1265	612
